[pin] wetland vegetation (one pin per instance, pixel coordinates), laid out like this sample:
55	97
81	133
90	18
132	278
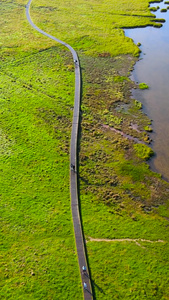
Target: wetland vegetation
120	197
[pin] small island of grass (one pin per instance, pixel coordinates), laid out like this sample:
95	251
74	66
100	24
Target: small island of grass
143	86
163	10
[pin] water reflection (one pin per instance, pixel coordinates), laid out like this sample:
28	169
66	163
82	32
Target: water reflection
153	69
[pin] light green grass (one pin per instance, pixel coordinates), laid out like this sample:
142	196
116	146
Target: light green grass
92	26
117	189
37	243
143	151
124	270
143	86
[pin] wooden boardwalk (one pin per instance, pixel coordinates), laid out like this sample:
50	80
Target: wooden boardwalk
80	244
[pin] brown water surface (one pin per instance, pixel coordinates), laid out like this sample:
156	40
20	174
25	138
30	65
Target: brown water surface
153	69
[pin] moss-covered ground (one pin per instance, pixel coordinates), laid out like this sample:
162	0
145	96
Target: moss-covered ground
120	197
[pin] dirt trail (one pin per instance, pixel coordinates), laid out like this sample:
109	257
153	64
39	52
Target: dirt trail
124	240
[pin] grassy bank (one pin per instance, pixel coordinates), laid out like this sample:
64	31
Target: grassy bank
120	196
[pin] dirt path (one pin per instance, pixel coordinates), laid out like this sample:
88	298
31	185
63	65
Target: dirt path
125	240
73	161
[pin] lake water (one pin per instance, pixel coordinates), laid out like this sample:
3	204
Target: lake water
153	69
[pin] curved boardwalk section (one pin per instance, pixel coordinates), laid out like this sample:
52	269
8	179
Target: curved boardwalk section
86	283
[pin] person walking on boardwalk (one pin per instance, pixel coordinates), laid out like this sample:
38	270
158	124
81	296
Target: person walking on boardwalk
83	269
85	285
72	167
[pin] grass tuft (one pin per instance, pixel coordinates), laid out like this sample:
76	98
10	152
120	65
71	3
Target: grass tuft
143	86
143	151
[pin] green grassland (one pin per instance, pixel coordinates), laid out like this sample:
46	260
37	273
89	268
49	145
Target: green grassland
38	254
38	251
120	196
93	26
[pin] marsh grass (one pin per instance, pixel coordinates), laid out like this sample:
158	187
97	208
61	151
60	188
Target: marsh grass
120	196
37	243
126	268
93	27
158	25
153	8
148	128
143	151
159	20
143	86
163	10
138	104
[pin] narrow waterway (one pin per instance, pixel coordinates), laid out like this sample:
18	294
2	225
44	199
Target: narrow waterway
153	69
